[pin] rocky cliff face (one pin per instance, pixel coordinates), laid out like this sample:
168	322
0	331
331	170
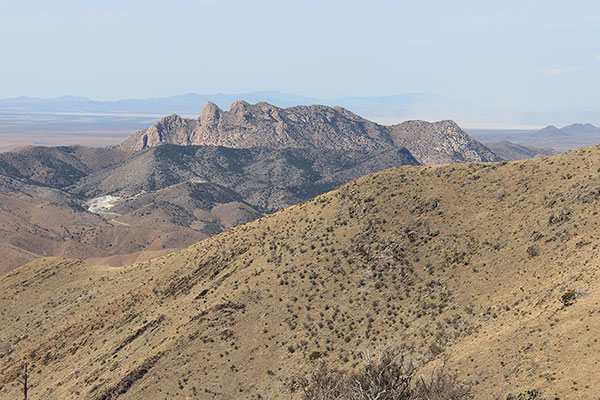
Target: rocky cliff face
314	127
170	129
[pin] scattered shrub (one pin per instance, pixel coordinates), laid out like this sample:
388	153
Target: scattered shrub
323	384
533	251
558	216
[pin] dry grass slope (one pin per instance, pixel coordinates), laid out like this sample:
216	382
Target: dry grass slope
491	267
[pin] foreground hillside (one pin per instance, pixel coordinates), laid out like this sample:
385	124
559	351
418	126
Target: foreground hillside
491	267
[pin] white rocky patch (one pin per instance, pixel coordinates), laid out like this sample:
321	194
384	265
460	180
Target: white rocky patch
102	204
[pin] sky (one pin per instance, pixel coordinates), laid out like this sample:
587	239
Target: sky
528	54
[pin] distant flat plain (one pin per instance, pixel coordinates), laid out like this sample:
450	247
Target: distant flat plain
55	129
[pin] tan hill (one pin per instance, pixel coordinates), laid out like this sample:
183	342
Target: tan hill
317	127
491	267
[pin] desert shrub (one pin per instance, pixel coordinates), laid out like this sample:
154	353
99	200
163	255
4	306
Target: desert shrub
559	215
322	384
568	297
387	375
533	251
441	386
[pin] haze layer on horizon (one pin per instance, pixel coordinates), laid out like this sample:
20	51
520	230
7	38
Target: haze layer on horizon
501	58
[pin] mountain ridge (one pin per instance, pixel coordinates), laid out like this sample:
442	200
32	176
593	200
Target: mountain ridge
576	128
192	102
316	126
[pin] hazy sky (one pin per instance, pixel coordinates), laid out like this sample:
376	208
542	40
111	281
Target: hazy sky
534	54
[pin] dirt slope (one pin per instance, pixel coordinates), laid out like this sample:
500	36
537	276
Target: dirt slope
493	267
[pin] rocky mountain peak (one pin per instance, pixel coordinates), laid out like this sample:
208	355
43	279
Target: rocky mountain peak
172	121
439	142
239	107
211	113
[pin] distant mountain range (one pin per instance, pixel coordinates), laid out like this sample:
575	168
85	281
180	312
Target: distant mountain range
552	131
395	105
71	120
560	139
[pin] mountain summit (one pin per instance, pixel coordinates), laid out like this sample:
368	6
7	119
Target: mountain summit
314	127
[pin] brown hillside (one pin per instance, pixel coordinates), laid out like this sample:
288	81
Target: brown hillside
31	228
493	267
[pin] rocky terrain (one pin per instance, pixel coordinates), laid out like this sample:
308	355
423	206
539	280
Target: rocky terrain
491	269
314	127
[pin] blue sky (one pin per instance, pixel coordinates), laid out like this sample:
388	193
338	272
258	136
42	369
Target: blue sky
527	54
